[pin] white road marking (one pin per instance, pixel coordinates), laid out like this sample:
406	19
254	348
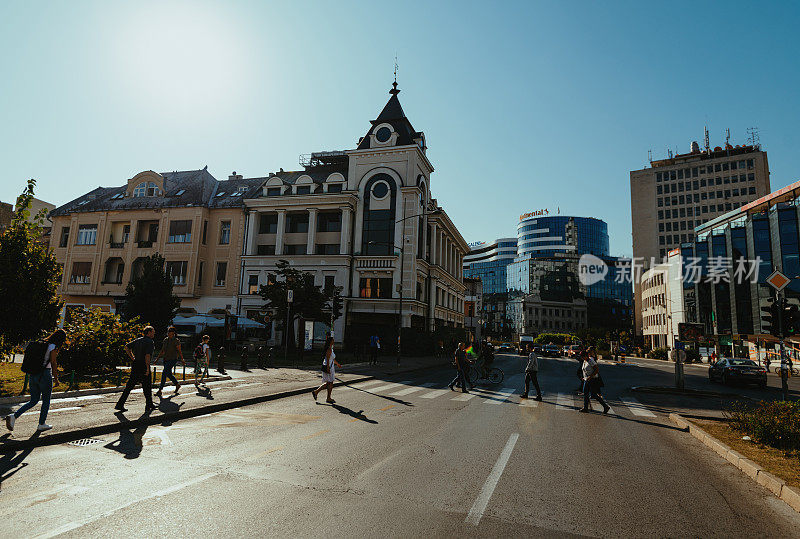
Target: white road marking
565	401
476	513
463	397
388	386
531	403
410	390
65	409
501	396
69	526
81	398
435	393
636	408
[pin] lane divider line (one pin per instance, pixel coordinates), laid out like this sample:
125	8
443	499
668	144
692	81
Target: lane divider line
387	407
476	512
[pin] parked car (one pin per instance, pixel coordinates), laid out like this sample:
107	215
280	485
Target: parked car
572	351
729	370
525	345
551	350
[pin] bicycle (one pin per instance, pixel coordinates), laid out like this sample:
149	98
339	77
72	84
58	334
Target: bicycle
792	370
479	371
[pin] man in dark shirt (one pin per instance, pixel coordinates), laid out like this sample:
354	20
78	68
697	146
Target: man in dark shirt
139	351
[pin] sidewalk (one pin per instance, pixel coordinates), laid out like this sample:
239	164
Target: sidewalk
88	415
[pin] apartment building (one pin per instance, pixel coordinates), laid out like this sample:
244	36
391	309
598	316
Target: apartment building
674	195
363	219
193	220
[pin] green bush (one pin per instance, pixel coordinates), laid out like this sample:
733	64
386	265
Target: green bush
658	353
96	342
772	423
554	338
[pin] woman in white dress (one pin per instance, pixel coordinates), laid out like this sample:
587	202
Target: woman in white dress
329	365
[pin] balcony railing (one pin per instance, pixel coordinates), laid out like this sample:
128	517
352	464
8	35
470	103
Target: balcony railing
116	245
144	244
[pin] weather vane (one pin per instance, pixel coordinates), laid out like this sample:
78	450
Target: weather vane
395	69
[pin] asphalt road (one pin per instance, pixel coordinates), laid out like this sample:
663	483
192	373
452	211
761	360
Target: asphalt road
404	457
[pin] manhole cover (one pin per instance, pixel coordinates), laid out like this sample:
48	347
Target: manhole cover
86	441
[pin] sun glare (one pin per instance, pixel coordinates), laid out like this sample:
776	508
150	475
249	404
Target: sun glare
181	58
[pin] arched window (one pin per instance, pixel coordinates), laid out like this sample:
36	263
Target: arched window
146	189
380	194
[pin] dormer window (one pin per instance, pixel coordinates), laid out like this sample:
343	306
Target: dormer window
304	190
273	191
146	189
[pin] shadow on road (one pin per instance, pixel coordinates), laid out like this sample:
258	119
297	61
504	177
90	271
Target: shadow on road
129	443
393	399
352	413
11	463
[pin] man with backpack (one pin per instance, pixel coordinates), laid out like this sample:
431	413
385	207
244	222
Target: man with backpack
171	352
140	351
374	346
40	364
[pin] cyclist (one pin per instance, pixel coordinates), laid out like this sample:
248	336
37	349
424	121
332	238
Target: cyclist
487	358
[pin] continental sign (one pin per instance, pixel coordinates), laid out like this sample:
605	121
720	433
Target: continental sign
538	213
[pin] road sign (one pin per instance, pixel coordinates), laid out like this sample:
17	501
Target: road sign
290	296
778	280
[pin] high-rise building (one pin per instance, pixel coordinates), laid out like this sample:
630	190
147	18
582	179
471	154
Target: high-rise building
673	196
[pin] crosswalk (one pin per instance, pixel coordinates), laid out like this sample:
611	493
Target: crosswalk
507	395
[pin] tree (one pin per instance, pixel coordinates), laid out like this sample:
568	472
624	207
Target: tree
96	341
149	296
29	277
309	301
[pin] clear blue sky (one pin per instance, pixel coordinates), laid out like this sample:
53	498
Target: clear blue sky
525	105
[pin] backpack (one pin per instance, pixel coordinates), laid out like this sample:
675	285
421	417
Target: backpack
198	352
33	361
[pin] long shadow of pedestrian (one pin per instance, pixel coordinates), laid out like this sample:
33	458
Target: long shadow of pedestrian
393	399
352	413
205	391
130	441
11	463
166	406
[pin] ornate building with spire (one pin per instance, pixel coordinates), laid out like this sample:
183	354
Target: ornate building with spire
366	220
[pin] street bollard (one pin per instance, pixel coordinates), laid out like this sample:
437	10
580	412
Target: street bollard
71	381
221	360
119	377
245	353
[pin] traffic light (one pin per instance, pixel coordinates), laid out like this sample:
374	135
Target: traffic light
769	318
791	320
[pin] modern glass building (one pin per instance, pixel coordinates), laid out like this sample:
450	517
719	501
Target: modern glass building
722	295
546	236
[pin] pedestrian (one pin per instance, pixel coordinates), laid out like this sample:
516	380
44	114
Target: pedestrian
591	383
531	375
329	365
461	362
579	371
374	346
41	383
202	359
171	352
140	351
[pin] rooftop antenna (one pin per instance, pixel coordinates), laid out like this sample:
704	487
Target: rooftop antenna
669	153
752	137
707	140
650	156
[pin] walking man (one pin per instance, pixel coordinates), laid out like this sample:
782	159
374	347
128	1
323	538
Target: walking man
374	346
202	358
140	351
591	383
531	375
460	358
171	352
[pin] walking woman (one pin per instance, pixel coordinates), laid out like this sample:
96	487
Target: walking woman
329	365
42	383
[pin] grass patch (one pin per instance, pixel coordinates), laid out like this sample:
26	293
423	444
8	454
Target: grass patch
784	464
12	380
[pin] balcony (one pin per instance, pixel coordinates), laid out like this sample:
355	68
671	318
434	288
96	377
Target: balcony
375	263
116	245
145	244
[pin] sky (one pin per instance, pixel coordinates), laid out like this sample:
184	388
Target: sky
524	105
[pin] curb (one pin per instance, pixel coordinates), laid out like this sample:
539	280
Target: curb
664	390
11	446
790	495
96	391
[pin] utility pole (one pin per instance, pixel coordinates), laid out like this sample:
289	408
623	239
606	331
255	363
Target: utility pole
784	363
289	299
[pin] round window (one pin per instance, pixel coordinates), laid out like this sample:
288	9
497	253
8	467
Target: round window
380	190
383	134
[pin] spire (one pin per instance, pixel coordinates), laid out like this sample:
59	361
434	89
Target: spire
394	90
